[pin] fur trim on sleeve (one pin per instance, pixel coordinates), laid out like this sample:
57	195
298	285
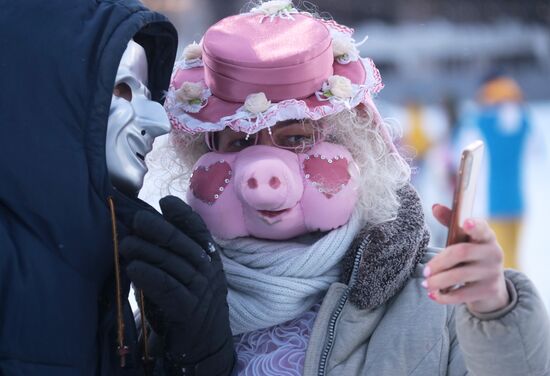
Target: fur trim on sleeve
391	253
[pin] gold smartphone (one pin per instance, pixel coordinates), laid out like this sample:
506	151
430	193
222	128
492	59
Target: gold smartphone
464	195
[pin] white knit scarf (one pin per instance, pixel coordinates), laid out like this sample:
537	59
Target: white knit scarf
271	282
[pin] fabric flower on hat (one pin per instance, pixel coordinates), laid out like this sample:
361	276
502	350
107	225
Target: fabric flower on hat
344	47
255	109
256	103
191	56
338	89
338	86
275	8
192	96
192	51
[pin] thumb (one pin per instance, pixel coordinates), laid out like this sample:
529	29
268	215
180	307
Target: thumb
442	214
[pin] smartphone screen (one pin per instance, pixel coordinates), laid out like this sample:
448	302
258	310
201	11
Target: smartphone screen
464	195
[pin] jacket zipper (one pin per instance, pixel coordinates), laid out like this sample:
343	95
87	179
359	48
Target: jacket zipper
341	302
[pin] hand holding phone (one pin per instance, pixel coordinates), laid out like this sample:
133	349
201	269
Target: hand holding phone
471	277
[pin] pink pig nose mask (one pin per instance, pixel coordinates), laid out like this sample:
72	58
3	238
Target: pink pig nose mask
272	193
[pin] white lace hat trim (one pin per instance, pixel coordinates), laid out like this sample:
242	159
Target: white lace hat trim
244	121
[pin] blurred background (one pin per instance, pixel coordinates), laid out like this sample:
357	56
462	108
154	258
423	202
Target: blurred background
454	71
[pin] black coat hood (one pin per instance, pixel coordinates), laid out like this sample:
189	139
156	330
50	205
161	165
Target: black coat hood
58	61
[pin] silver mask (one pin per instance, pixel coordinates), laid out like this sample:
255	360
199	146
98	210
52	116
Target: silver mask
133	123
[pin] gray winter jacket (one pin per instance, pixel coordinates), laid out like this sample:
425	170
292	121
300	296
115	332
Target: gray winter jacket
379	321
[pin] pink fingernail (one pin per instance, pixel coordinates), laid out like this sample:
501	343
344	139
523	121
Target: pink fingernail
427	271
431	295
469	224
425	284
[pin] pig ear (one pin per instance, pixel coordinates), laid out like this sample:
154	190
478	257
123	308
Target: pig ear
328	175
208	183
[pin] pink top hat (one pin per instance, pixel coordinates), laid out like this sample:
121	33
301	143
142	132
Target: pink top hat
271	64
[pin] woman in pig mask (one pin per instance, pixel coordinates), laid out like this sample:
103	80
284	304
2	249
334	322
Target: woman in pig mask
321	237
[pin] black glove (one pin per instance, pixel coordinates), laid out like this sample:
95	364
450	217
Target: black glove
176	263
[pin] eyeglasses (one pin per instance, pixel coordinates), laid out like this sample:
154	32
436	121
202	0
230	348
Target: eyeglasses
294	135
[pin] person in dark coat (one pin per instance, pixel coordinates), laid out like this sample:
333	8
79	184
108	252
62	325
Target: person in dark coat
58	64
